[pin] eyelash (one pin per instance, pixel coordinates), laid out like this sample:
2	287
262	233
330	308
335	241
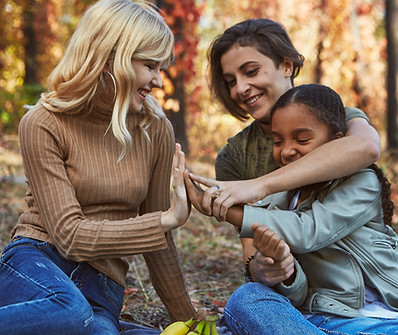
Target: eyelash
303	141
277	143
252	72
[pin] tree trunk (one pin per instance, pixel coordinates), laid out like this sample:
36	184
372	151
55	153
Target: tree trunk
177	118
322	33
392	64
30	44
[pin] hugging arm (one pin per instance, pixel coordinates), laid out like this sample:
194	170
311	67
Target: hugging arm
338	158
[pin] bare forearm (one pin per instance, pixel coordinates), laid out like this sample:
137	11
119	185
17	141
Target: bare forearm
332	160
235	216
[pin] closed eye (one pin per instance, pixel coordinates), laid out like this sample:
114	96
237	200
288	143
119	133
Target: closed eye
230	83
303	141
252	73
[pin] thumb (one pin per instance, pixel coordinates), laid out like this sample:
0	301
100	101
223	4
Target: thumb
255	225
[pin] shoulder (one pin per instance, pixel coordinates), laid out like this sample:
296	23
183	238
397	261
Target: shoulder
252	131
363	183
35	114
352	113
38	118
160	125
239	143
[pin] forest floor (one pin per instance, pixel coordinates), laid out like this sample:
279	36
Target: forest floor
210	251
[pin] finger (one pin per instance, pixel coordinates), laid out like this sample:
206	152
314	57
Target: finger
191	187
270	244
282	250
259	234
265	260
209	197
203	180
218	210
175	157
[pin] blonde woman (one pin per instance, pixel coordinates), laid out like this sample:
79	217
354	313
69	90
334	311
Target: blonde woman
98	155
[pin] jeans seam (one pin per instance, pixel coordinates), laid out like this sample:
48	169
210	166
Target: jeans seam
235	321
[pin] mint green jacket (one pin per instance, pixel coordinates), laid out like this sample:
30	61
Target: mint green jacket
339	241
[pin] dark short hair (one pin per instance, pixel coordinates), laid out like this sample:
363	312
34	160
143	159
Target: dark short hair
322	101
268	37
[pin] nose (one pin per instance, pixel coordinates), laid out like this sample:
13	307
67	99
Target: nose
156	80
288	152
242	86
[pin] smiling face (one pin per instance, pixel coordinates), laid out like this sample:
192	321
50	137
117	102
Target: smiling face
296	132
147	73
253	80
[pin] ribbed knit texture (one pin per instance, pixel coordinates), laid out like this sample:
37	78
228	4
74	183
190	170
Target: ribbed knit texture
95	209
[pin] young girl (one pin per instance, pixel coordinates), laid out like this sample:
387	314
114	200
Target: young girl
345	277
97	152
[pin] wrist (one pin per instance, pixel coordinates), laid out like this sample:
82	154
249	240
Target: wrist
167	222
248	271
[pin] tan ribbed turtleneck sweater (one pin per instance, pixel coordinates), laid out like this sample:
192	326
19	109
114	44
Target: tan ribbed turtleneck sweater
95	209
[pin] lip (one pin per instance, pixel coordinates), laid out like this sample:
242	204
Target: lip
253	99
143	92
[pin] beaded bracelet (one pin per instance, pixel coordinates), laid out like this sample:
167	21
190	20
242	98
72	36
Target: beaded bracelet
248	275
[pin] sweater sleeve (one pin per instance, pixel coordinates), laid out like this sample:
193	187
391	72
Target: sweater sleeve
164	266
59	212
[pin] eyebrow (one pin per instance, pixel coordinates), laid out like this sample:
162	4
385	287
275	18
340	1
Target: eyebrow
242	66
296	131
247	63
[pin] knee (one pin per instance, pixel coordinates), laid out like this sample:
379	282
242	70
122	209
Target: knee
250	296
75	317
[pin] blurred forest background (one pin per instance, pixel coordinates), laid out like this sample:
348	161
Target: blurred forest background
349	45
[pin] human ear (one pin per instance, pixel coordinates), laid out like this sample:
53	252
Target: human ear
287	65
339	134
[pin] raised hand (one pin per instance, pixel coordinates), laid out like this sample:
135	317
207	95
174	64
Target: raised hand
180	207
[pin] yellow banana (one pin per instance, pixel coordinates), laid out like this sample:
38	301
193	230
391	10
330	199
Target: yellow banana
206	329
211	317
213	328
198	329
178	327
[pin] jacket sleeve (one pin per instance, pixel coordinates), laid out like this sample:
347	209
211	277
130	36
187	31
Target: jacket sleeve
297	292
354	202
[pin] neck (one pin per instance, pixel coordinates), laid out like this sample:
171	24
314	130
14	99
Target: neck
266	127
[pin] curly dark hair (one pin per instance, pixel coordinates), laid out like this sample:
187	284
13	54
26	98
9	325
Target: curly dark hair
387	204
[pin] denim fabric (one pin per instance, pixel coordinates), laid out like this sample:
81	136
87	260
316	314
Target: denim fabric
255	309
43	293
127	328
359	326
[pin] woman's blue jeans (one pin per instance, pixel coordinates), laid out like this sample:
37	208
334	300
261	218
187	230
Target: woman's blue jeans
41	292
255	309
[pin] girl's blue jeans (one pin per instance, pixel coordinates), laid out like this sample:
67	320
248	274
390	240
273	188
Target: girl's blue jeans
255	309
41	292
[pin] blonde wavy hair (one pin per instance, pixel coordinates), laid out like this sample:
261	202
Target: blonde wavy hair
111	33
